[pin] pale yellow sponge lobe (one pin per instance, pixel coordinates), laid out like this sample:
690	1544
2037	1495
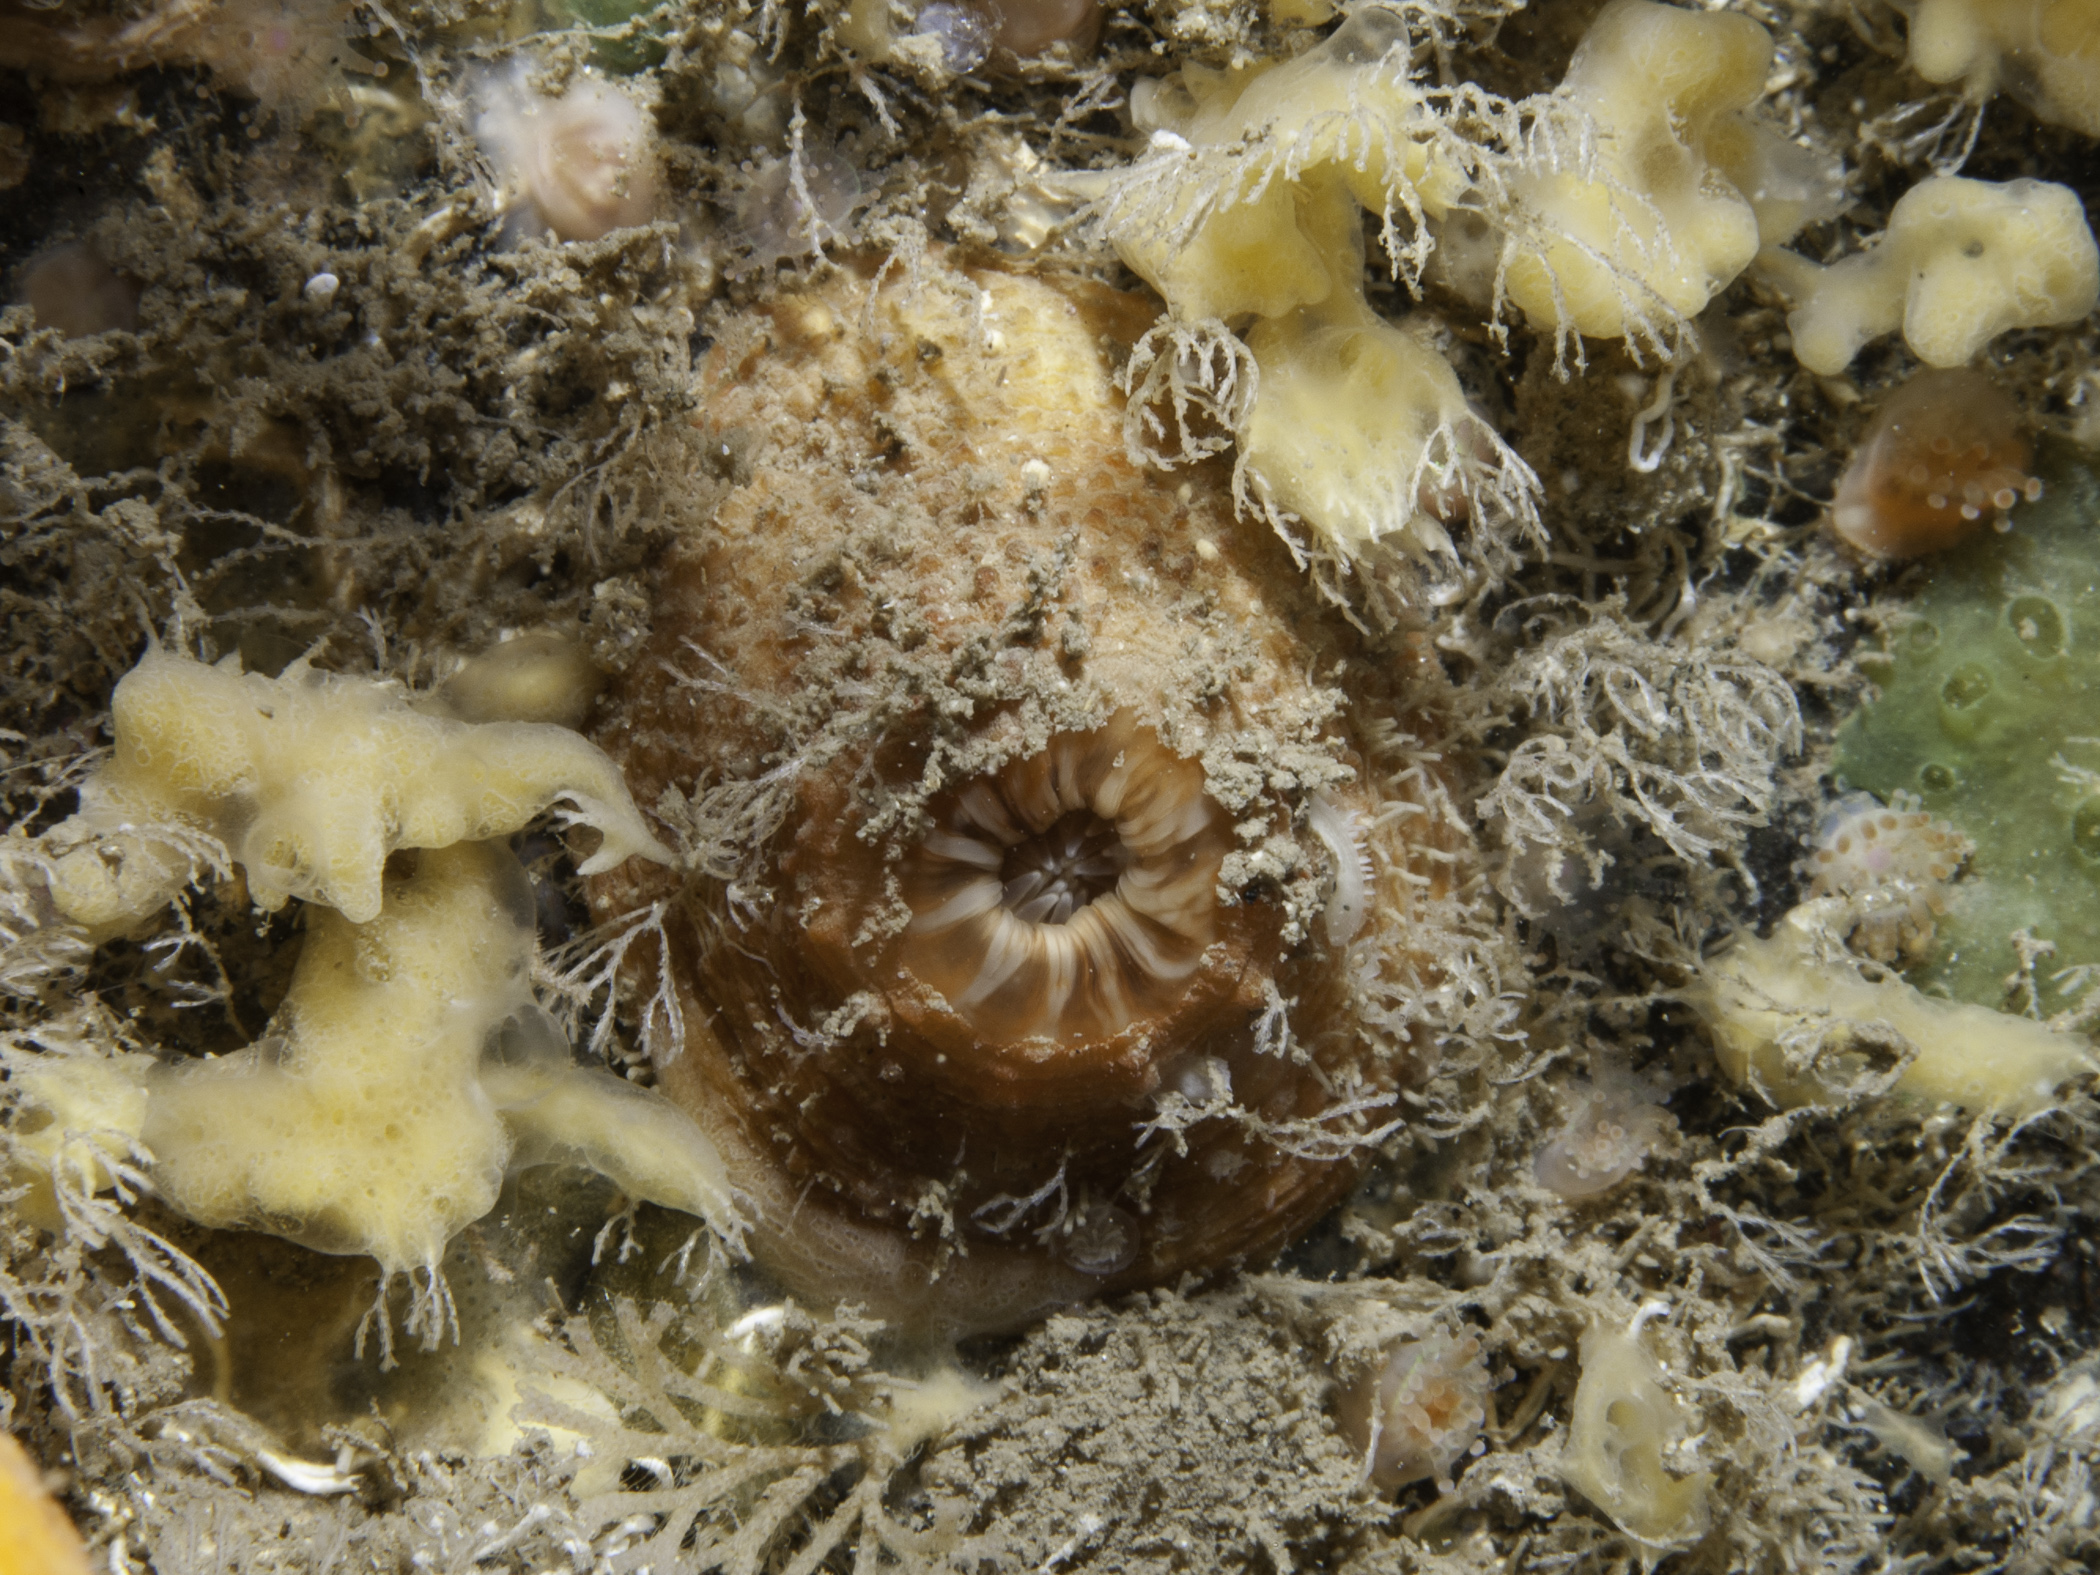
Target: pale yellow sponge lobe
1250	200
2047	52
1654	220
1361	427
308	782
537	677
78	1127
1795	1018
358	1122
405	1073
1265	253
1962	261
1623	1427
1247	214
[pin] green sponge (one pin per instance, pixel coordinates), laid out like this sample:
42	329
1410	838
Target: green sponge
1989	712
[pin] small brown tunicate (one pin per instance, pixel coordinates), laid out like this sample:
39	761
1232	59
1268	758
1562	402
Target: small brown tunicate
1944	454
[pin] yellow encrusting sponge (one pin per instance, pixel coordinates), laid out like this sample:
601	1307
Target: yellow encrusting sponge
406	1072
308	782
1247	214
1654	221
1617	206
1795	1018
409	1068
1361	426
1962	261
2047	52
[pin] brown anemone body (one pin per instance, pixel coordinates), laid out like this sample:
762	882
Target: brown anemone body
1004	979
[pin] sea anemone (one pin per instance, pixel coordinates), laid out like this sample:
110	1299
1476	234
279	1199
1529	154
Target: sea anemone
582	165
1415	1414
1007	969
1068	891
1944	452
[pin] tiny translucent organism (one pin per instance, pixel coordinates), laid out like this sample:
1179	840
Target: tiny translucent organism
1946	452
1919	1442
582	165
964	32
797	205
1891	863
1349	898
1416	1414
1614	1122
1625	1424
962	35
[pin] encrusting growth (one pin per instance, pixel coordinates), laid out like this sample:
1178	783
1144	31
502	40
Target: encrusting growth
1962	261
1618	206
1795	1018
409	1066
2046	52
407	1070
307	782
1247	216
1685	186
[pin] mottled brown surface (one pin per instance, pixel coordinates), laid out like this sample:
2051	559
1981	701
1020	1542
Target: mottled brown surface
934	557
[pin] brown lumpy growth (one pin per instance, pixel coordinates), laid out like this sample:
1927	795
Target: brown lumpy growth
1946	452
73	290
996	976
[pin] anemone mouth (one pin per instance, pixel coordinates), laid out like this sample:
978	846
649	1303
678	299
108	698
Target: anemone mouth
1048	877
1069	892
